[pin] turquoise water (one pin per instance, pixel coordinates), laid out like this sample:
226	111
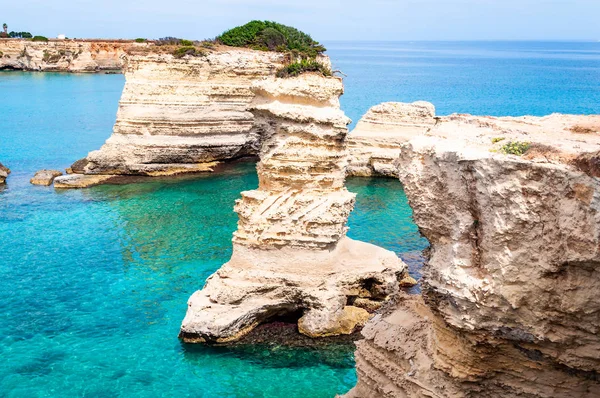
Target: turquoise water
94	283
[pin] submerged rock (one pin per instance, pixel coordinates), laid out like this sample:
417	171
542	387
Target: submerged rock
81	180
510	306
4	172
290	251
45	177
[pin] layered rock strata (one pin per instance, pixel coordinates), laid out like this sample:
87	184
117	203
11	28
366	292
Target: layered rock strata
183	115
4	172
511	207
375	142
65	55
290	252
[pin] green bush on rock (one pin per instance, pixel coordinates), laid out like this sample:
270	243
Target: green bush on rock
39	38
303	65
271	36
188	50
517	148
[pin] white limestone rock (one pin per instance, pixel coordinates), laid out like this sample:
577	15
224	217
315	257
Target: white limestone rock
290	250
45	177
511	287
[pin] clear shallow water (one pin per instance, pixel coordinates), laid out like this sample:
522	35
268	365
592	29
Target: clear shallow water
94	283
487	78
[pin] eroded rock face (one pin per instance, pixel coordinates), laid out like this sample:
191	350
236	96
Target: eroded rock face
64	55
4	172
374	144
511	305
290	251
183	114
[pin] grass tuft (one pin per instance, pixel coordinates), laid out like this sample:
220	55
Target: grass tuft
517	148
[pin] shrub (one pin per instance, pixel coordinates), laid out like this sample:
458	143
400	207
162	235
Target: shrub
140	40
39	38
497	139
186	42
304	65
52	58
515	148
20	35
272	36
188	50
168	41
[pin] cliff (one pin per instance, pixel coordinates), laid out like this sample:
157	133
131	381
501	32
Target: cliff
180	115
290	253
64	55
375	142
510	307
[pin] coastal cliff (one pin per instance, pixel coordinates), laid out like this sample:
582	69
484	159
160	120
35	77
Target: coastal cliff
181	115
291	254
375	142
510	307
64	55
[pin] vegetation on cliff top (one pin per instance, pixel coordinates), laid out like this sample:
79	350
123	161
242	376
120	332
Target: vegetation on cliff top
271	36
301	50
303	65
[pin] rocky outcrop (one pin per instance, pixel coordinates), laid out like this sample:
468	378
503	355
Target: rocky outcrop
290	254
4	172
183	115
45	177
510	306
65	55
375	142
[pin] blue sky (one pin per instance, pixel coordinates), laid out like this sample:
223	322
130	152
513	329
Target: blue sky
323	19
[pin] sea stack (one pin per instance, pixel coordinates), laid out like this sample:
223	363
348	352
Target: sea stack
182	114
510	306
291	253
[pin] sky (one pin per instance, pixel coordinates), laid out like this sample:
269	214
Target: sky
325	20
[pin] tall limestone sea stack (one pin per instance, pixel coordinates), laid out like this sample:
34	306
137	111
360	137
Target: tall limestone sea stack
290	253
510	305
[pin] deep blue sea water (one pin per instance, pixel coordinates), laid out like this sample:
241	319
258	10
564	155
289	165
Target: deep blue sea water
94	283
481	78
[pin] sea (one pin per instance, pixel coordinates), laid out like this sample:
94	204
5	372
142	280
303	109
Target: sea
94	283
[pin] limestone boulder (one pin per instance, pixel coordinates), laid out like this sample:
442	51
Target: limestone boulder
45	177
4	172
